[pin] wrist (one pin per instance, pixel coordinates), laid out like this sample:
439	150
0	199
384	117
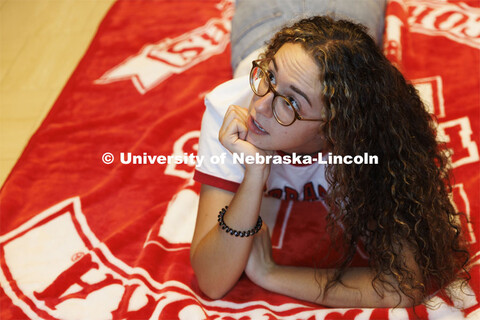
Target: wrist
257	171
267	276
256	168
261	269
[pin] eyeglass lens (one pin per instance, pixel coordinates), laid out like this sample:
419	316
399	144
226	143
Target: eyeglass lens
282	109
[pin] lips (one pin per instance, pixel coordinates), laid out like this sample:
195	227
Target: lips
255	127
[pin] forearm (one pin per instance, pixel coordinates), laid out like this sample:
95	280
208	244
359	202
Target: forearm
219	258
356	289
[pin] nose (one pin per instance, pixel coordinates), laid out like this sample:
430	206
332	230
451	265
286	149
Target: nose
263	105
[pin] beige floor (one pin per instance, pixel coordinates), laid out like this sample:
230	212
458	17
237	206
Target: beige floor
41	42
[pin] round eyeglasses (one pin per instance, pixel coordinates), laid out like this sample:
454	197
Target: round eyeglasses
283	110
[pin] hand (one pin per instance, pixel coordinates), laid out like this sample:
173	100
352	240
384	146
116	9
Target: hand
234	131
260	262
232	135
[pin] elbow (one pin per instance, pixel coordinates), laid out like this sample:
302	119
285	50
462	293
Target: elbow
212	292
213	289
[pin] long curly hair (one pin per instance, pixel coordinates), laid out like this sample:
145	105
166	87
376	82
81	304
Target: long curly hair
403	202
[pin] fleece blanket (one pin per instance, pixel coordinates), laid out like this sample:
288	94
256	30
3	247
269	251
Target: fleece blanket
98	214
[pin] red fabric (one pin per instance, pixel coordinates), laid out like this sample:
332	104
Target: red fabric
85	239
204	178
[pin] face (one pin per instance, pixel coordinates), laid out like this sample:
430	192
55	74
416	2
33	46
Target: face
293	74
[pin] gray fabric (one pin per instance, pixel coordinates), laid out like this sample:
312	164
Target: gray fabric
255	22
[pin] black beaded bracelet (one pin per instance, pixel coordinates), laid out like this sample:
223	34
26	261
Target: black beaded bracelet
236	233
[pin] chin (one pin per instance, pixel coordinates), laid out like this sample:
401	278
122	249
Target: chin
258	142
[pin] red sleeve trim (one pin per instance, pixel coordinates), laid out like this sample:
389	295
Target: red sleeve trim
215	181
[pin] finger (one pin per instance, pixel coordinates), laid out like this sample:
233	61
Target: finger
242	133
242	115
230	136
237	128
233	112
242	112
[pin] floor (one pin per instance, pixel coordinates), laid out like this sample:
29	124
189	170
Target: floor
41	42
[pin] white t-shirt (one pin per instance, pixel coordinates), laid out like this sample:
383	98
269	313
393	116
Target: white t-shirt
220	169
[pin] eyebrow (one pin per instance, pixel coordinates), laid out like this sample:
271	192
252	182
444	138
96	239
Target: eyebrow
274	64
300	92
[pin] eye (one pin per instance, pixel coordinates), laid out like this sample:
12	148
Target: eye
271	77
294	103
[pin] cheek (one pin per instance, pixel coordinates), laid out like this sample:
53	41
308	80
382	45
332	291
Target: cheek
296	136
308	132
311	138
282	132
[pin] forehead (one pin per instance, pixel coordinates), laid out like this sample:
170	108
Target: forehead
297	67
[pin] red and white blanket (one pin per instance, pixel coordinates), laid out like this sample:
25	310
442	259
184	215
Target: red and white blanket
96	222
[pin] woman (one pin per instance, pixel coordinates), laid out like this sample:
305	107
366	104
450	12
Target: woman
324	86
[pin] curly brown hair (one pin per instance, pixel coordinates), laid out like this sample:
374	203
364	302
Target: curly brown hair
403	202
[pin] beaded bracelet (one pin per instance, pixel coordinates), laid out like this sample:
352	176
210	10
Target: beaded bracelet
236	233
